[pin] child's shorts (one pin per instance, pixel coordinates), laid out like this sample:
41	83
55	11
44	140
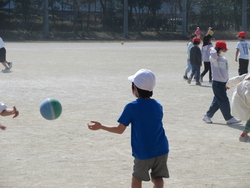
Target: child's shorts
157	165
2	54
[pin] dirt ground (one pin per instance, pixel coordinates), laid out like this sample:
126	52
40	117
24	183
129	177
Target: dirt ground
90	81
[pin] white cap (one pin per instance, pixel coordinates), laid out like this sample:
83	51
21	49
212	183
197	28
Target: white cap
143	79
2	107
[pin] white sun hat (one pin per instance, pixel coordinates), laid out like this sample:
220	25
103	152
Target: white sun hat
2	107
143	79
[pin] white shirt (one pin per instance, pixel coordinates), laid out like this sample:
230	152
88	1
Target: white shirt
205	52
241	96
219	67
243	46
1	43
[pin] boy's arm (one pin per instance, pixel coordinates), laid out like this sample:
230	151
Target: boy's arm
119	129
236	55
8	112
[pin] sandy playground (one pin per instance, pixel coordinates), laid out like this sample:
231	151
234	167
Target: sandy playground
90	81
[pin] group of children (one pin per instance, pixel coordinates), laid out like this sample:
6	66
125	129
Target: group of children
217	65
149	142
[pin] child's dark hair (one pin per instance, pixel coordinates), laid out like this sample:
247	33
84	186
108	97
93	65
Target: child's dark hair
217	49
143	93
192	36
206	40
196	42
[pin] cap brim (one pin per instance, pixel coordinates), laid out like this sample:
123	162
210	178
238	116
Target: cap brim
131	78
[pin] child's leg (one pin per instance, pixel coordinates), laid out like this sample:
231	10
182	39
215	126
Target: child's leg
158	182
5	64
247	128
136	183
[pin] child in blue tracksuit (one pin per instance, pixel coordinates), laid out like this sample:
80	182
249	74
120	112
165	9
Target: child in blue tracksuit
148	140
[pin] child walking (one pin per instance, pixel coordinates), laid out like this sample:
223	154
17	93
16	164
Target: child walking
6	64
241	102
4	111
148	140
195	61
242	48
205	51
219	67
189	67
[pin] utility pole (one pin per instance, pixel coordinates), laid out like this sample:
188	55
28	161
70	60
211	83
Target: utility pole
244	15
46	19
125	19
184	18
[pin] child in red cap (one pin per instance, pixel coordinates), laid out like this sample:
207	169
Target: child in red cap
219	67
242	51
195	61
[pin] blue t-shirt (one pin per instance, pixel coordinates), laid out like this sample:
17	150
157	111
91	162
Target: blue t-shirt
148	139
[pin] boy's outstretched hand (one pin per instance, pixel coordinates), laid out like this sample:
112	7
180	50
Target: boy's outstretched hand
15	112
94	125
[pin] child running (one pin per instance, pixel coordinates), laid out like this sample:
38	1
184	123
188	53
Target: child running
4	111
219	67
241	102
148	140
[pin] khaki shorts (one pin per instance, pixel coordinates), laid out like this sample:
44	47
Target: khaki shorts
157	165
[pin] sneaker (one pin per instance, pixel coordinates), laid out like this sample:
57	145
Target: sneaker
198	83
189	80
10	65
244	138
207	119
185	77
233	121
6	70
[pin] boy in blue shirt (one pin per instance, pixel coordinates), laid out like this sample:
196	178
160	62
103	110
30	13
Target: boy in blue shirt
148	140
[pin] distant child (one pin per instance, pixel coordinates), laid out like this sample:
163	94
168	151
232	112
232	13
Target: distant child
242	50
189	67
205	51
148	140
219	67
241	102
210	31
4	111
195	60
6	64
198	32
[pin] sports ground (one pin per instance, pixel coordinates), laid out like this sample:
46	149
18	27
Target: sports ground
90	81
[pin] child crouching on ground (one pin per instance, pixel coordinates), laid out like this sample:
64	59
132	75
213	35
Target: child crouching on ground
241	101
4	111
148	140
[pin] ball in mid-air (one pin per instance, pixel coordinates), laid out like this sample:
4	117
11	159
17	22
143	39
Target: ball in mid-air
122	42
50	109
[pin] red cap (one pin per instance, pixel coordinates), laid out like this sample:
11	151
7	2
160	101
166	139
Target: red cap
221	44
242	34
197	39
